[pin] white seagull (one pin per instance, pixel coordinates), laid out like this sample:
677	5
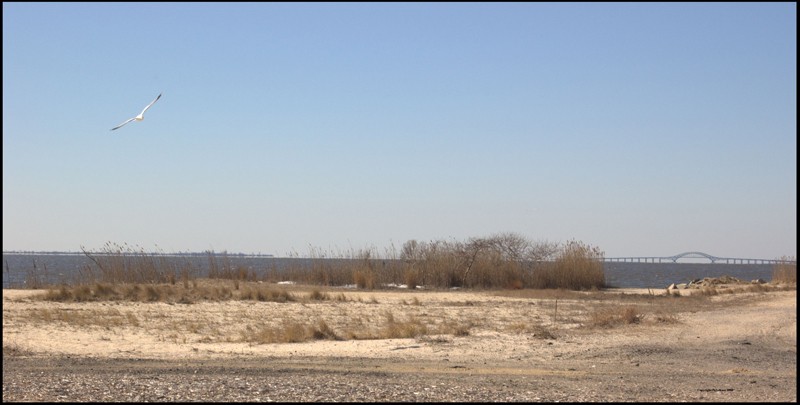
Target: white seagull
140	116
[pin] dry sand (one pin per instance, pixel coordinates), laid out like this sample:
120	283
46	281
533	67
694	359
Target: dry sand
515	346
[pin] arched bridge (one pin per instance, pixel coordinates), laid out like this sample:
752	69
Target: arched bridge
697	255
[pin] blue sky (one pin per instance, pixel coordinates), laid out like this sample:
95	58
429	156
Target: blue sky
643	129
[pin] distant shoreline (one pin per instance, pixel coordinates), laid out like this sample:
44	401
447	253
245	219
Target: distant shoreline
180	254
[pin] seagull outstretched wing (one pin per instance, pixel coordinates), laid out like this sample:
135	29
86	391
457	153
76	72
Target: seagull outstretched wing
149	105
140	116
120	125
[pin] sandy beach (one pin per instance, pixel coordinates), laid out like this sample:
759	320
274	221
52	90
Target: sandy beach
401	345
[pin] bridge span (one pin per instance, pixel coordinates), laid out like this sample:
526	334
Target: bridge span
696	255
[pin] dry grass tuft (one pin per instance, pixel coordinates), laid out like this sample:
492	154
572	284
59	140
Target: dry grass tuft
609	316
289	332
455	329
317	295
395	329
411	278
15	349
662	316
268	294
538	331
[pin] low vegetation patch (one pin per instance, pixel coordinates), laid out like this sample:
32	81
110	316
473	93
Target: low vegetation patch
213	311
103	318
712	290
609	316
166	293
536	330
289	332
292	331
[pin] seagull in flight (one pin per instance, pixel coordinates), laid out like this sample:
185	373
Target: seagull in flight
140	116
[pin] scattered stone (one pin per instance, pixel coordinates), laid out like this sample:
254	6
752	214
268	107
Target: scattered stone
712	281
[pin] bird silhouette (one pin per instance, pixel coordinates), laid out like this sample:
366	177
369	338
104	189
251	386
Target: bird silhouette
140	116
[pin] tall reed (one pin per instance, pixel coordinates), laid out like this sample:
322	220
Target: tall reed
499	261
578	267
125	264
785	271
